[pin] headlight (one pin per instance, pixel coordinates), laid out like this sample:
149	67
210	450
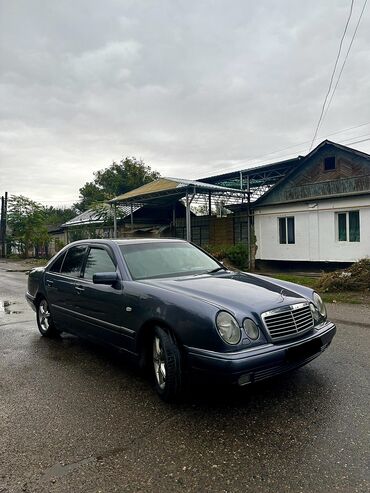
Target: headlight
251	329
319	304
315	312
228	328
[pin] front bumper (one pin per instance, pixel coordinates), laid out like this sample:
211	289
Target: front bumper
255	364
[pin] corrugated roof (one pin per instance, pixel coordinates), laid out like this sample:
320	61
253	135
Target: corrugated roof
92	216
167	185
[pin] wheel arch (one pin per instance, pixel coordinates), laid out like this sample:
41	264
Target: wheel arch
145	337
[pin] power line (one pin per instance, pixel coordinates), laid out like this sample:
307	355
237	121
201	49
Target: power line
332	75
305	142
358	141
251	161
342	141
345	58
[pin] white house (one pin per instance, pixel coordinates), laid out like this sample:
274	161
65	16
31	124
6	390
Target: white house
320	211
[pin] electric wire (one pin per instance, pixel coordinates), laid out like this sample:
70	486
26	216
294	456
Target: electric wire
345	58
332	75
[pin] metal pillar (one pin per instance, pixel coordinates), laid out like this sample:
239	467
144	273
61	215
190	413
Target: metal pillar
210	203
114	221
188	214
132	215
249	224
188	217
174	220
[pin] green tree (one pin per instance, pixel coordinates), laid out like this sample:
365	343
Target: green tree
117	179
55	216
26	221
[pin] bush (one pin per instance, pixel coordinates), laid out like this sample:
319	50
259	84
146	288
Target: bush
237	254
355	278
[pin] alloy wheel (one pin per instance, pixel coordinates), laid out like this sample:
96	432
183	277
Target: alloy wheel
159	363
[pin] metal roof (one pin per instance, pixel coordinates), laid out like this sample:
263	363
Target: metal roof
92	216
174	187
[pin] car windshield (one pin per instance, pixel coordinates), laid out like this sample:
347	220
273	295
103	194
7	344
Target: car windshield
155	260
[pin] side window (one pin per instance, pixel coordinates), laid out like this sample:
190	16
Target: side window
348	226
73	261
98	260
57	264
286	230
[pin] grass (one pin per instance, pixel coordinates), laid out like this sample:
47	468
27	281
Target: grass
353	297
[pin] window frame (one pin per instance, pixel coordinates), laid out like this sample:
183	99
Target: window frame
347	230
286	230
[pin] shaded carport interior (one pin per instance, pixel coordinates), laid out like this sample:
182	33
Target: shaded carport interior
170	190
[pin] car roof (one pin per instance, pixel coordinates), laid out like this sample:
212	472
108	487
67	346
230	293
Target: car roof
129	241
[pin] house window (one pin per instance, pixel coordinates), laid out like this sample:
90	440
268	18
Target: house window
329	163
348	226
286	230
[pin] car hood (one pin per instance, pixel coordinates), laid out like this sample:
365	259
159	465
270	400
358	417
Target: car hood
235	291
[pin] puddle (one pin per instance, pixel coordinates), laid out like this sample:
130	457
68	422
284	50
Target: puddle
6	308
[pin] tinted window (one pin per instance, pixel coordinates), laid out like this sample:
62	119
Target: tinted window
73	261
98	260
150	260
57	264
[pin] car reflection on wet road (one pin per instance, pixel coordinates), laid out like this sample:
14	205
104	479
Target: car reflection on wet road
74	418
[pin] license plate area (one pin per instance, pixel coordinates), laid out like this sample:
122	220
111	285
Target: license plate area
304	351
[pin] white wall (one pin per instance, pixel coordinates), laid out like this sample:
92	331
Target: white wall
315	231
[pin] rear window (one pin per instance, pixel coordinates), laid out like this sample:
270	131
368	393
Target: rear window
73	261
57	264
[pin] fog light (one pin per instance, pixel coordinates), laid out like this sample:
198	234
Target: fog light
245	379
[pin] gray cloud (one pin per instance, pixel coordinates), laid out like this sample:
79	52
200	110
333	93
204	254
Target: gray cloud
192	88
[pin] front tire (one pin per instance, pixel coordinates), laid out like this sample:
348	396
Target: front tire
166	365
44	319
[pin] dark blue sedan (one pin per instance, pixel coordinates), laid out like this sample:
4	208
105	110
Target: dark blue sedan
178	311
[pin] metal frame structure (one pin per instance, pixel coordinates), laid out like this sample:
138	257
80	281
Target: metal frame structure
256	181
175	189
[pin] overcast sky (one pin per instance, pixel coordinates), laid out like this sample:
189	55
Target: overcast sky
192	87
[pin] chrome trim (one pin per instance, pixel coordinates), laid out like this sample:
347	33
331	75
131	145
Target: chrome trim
288	328
95	321
285	308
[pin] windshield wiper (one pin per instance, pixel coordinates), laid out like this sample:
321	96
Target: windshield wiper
217	269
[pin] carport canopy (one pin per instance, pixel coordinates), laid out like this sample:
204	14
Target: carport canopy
165	190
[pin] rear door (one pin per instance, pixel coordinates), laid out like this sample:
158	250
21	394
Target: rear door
62	289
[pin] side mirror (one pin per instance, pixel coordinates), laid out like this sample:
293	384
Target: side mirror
108	278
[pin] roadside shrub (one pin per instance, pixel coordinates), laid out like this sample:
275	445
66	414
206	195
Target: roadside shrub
355	278
236	255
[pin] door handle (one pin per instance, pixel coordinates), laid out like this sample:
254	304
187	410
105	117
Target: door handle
49	283
79	288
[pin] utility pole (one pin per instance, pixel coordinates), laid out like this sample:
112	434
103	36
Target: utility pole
4	208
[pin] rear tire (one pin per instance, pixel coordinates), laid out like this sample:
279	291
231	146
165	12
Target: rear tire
44	319
167	366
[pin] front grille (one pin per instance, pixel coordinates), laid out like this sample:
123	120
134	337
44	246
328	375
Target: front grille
288	321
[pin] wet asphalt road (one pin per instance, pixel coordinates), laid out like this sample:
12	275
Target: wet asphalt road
75	418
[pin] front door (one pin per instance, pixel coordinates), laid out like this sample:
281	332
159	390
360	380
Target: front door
102	307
